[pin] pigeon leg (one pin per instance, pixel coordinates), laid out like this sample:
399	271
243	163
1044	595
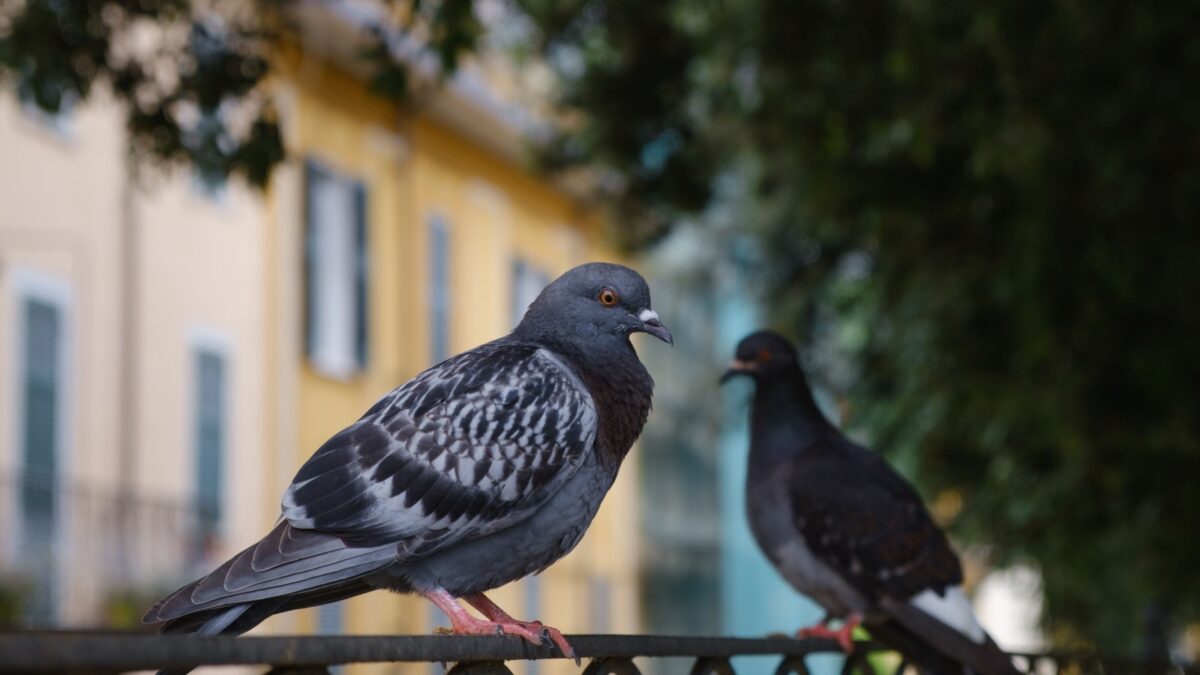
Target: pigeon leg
819	629
492	611
462	623
844	635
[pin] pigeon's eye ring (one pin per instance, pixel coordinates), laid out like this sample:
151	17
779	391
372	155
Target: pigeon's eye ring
607	297
763	355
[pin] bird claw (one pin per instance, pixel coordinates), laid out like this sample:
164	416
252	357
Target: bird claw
534	632
556	636
553	635
843	636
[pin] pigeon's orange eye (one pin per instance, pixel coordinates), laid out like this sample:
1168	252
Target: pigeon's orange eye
607	297
764	355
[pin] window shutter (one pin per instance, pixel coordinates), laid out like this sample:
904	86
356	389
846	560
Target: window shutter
331	618
41	379
311	176
439	289
361	301
43	327
210	378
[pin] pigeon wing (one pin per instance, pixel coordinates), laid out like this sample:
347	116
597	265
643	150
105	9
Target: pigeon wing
864	520
467	447
870	525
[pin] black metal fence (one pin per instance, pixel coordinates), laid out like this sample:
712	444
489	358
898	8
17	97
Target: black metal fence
63	652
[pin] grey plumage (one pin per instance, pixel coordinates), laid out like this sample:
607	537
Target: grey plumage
847	530
483	469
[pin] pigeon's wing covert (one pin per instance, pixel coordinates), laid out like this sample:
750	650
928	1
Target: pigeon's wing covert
864	520
465	448
871	526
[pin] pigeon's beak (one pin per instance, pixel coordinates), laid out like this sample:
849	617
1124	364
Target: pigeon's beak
653	326
738	367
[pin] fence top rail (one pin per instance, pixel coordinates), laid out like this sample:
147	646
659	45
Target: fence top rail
47	651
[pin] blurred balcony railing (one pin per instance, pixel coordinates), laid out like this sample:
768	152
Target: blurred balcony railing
79	555
50	652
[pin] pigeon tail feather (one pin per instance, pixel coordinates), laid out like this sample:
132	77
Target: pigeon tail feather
914	649
304	562
982	658
225	621
952	608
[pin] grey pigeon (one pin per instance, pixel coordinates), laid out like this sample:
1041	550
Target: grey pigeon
483	469
846	530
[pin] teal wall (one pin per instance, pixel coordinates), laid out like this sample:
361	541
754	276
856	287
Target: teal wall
702	573
755	600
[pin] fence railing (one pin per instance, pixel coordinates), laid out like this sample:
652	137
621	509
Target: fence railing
72	551
62	652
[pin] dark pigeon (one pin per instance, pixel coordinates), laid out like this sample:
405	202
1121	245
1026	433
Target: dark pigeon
484	469
848	531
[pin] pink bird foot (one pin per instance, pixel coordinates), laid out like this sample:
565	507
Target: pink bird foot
844	636
492	611
498	621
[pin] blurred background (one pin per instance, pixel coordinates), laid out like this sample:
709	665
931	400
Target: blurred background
228	227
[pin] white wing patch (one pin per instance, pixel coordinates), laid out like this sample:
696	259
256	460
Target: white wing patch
952	609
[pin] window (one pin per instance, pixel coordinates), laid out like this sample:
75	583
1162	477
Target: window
206	138
335	266
41	371
331	618
212	187
439	289
533	609
209	415
600	592
527	282
59	122
39	438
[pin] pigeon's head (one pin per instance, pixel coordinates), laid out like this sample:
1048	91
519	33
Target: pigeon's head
761	355
595	304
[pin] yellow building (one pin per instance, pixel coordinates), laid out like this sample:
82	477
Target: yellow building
400	236
171	352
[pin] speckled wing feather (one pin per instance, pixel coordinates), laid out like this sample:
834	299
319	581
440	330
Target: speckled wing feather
470	446
865	521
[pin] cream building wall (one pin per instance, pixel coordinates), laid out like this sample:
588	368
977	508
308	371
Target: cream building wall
148	272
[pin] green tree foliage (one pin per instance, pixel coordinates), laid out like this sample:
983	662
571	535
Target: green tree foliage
178	83
191	76
992	210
